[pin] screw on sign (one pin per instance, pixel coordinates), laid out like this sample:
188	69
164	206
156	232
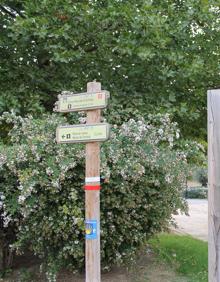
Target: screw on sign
90	133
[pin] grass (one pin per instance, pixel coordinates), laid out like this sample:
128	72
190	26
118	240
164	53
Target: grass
187	255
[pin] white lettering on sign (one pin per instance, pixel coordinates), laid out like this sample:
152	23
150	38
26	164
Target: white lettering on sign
70	102
82	133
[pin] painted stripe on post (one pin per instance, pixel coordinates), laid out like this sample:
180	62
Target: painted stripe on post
92	179
92	187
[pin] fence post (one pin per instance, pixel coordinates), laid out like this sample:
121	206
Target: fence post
214	184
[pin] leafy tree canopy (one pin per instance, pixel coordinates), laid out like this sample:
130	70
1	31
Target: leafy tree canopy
150	54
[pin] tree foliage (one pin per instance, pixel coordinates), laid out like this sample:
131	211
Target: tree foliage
152	55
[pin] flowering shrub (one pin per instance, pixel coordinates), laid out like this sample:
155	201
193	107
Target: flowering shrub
42	195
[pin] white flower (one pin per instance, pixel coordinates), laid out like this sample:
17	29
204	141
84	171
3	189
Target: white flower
49	171
82	120
21	199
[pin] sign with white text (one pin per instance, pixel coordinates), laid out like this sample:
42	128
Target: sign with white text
82	133
83	101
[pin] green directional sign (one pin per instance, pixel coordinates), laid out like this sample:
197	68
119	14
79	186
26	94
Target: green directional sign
83	101
82	133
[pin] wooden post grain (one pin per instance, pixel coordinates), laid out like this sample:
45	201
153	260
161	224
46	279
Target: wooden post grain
214	184
92	198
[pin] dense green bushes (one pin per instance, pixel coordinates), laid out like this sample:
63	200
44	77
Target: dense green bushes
196	193
42	195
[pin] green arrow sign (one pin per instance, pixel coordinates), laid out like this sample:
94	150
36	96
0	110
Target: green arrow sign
83	101
82	133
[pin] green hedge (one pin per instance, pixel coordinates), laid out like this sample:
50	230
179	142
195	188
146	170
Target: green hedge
42	195
196	193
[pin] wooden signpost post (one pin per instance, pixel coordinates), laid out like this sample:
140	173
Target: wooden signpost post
91	133
214	184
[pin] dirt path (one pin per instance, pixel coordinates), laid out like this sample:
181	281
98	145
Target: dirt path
196	224
147	269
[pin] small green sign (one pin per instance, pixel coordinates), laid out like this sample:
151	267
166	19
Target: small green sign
82	133
83	101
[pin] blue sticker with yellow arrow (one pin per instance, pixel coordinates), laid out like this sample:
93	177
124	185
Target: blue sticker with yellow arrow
91	229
